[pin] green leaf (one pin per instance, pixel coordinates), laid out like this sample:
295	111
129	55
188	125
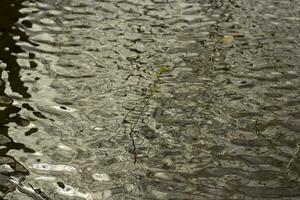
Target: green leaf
163	68
153	89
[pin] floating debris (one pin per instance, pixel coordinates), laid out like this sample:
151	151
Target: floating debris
228	39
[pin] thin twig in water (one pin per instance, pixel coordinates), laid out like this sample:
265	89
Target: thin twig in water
153	89
133	128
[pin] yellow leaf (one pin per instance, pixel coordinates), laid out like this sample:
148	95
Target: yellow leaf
228	39
163	68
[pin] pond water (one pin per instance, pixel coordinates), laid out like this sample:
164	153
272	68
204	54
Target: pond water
160	99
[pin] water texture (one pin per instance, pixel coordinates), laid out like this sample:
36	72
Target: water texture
86	113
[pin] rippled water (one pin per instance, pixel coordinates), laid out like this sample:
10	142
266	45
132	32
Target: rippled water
80	118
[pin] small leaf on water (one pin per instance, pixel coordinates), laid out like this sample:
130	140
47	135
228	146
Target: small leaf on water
163	68
228	39
153	90
157	74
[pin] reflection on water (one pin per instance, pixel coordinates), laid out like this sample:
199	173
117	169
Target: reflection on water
8	48
75	82
10	80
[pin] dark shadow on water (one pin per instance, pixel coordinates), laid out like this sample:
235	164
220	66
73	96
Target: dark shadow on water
9	16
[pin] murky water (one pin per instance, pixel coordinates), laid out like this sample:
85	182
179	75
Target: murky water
86	114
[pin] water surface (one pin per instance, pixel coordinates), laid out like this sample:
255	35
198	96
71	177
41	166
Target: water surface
76	79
